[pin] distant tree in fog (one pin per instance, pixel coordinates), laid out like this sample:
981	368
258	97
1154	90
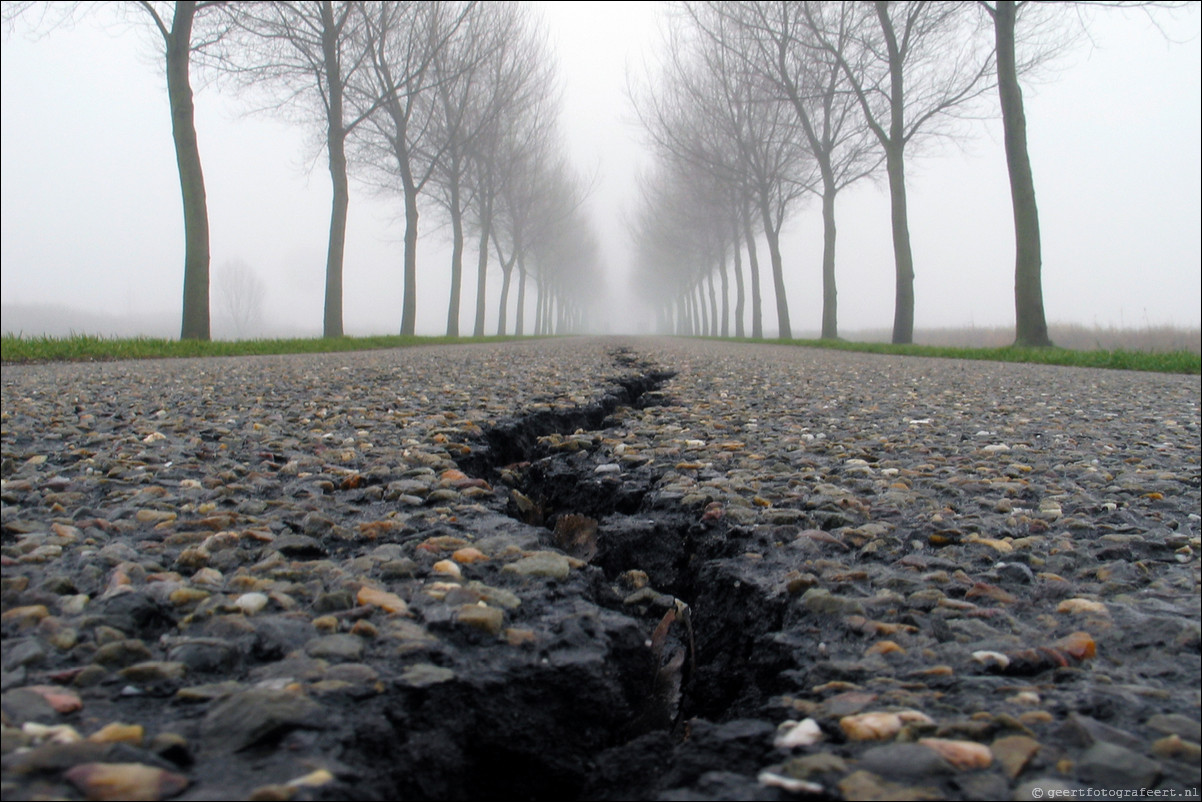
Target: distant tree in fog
710	112
565	255
542	225
183	28
777	41
677	234
241	294
525	166
486	78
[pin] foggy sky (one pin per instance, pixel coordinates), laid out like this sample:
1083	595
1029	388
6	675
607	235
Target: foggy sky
91	210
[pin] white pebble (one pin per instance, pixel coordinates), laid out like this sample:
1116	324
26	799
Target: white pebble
992	658
251	603
792	733
789	784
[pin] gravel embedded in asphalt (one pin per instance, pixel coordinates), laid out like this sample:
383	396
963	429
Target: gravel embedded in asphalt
778	571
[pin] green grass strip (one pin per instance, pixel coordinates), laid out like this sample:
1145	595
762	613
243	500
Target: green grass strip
1158	362
88	348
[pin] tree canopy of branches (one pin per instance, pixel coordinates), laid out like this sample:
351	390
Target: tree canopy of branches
495	72
712	114
801	92
305	56
912	67
777	41
403	41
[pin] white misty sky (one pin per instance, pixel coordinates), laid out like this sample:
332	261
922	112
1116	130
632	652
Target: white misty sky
91	208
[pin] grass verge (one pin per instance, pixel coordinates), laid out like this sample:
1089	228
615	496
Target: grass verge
88	348
1158	362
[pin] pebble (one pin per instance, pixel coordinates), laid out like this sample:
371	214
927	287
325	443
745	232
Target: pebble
1112	766
116	732
481	617
541	564
798	733
251	603
1014	752
388	602
878	726
133	781
963	755
246	717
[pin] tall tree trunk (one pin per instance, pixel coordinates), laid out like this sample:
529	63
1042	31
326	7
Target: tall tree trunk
409	300
740	301
503	308
195	317
539	300
903	258
331	325
722	271
753	262
456	257
713	305
895	144
830	295
482	273
519	316
1031	327
785	331
822	148
332	317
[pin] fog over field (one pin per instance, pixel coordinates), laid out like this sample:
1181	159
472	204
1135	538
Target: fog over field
92	232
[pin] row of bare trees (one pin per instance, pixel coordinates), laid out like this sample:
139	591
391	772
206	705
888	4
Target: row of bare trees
450	106
761	106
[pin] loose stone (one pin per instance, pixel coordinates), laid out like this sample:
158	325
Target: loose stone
133	781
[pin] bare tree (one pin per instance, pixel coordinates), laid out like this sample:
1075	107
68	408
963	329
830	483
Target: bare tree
525	124
403	40
776	40
494	70
522	166
1030	323
714	113
306	55
1031	326
461	111
684	229
553	220
182	28
911	66
242	294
